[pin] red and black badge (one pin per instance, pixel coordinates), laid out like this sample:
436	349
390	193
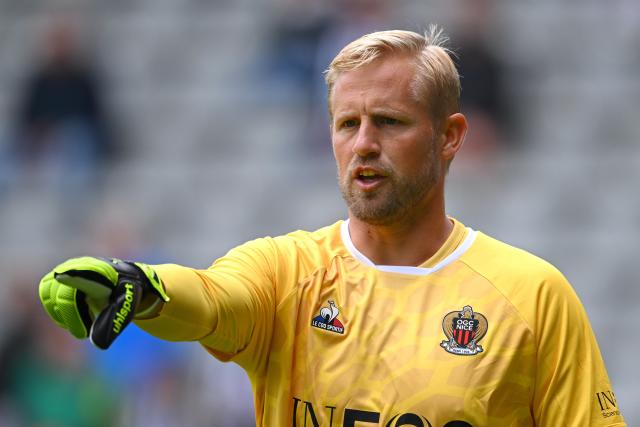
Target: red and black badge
464	329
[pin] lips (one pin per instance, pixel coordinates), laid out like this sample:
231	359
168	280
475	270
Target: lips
368	178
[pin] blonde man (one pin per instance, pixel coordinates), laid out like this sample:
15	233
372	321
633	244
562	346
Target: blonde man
397	316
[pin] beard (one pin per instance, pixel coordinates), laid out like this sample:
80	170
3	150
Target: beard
395	198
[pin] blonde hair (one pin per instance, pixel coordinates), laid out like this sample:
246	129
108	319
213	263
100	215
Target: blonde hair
437	82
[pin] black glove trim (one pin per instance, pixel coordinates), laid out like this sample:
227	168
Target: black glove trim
83	310
89	275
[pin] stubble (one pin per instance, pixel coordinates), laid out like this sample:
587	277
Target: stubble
398	195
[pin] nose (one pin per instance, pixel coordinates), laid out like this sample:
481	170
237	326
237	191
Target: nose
366	142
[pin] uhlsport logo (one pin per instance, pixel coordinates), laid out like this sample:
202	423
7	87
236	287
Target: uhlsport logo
464	329
328	319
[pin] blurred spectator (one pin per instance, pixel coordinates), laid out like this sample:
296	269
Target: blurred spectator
304	41
44	380
294	40
150	374
60	140
483	98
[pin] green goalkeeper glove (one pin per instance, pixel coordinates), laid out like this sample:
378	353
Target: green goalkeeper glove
98	297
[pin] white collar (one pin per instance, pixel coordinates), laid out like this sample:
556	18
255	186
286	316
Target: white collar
417	271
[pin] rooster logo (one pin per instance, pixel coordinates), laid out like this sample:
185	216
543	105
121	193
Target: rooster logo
328	319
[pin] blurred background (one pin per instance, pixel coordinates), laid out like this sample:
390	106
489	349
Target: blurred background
171	131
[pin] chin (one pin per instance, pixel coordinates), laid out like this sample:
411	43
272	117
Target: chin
376	215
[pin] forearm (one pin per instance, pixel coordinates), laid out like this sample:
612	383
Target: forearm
190	314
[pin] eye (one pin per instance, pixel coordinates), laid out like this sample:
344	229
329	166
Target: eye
349	123
388	121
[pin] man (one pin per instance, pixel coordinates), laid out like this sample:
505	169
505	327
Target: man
398	316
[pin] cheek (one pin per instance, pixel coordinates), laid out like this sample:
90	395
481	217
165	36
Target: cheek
334	147
413	159
341	152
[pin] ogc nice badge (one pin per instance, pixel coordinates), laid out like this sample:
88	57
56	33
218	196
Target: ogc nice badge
464	329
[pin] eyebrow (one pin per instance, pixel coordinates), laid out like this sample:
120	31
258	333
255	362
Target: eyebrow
376	111
388	111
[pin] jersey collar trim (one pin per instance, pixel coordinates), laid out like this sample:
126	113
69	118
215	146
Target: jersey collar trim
416	271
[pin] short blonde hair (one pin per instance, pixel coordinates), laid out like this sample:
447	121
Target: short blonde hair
437	82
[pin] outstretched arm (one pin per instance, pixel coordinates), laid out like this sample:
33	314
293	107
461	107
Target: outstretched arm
222	307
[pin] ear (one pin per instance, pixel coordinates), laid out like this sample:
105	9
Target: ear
455	129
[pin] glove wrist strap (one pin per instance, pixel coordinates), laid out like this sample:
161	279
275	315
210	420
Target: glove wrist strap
148	310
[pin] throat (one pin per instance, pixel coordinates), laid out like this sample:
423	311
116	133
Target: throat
398	247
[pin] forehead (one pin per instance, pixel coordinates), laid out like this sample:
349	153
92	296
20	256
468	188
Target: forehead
385	80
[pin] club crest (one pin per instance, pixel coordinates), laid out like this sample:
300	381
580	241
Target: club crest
328	319
464	329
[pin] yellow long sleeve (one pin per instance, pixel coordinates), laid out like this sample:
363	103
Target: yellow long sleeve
190	315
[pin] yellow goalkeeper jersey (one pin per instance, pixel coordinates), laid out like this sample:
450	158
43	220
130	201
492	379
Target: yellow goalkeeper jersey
481	334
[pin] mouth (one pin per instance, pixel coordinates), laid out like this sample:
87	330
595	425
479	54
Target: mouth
368	179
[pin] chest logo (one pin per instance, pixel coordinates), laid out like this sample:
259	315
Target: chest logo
464	329
328	319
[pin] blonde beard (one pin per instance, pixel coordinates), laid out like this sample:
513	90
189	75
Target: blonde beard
394	200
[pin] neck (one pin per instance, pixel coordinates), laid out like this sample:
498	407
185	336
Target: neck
410	241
